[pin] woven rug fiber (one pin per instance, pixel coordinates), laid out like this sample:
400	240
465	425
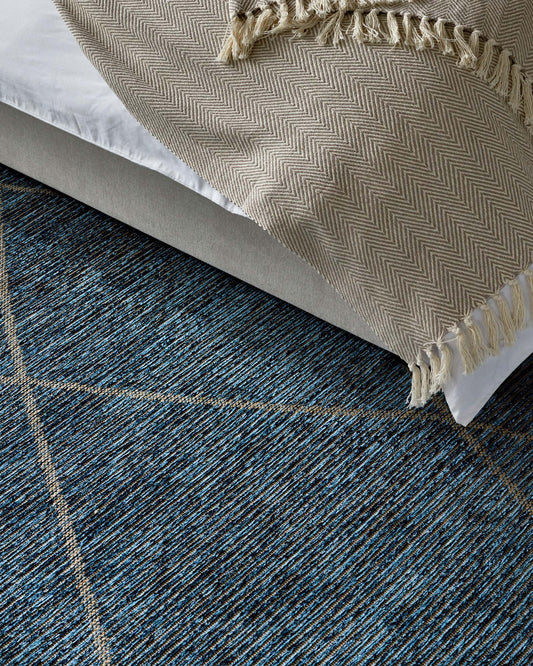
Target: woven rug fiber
196	473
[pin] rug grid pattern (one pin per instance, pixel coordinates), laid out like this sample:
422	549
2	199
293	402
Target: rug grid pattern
197	473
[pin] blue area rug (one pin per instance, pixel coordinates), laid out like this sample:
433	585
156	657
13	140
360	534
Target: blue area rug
196	473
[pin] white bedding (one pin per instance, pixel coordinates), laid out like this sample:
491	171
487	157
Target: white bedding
44	73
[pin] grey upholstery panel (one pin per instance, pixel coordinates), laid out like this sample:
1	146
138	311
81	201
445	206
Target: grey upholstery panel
170	212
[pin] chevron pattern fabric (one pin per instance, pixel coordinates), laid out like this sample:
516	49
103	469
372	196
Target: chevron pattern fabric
405	180
510	23
195	474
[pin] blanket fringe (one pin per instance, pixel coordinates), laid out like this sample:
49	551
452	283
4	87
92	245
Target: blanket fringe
502	318
369	21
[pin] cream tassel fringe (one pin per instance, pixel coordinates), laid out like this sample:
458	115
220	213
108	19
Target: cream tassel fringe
502	318
370	24
368	21
444	42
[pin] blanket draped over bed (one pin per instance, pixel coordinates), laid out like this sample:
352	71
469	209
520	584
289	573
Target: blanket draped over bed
387	143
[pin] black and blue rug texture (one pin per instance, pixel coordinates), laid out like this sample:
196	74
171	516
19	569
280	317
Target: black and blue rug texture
196	473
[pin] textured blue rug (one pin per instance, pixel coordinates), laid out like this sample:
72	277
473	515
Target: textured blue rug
196	473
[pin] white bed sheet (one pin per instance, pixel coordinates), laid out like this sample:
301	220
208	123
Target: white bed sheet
44	73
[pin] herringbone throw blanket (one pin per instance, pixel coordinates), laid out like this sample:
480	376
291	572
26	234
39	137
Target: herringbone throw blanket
397	160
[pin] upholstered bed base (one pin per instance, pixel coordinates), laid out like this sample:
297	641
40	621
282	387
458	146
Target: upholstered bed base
170	212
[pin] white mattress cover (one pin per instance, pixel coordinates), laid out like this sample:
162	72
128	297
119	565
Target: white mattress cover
44	73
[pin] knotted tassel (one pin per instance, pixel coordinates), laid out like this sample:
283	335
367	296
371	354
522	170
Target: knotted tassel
446	357
519	305
322	7
493	330
443	38
357	27
425	377
247	36
226	53
465	351
284	22
373	28
412	38
427	37
338	33
264	22
515	99
484	63
301	14
500	79
328	30
467	58
506	319
478	347
415	398
395	37
231	48
434	361
474	42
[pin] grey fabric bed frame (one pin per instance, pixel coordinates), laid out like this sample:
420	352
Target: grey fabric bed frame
170	212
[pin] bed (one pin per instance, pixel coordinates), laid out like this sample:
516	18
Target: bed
61	124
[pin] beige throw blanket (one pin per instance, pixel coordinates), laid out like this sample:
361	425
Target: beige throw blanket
387	143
